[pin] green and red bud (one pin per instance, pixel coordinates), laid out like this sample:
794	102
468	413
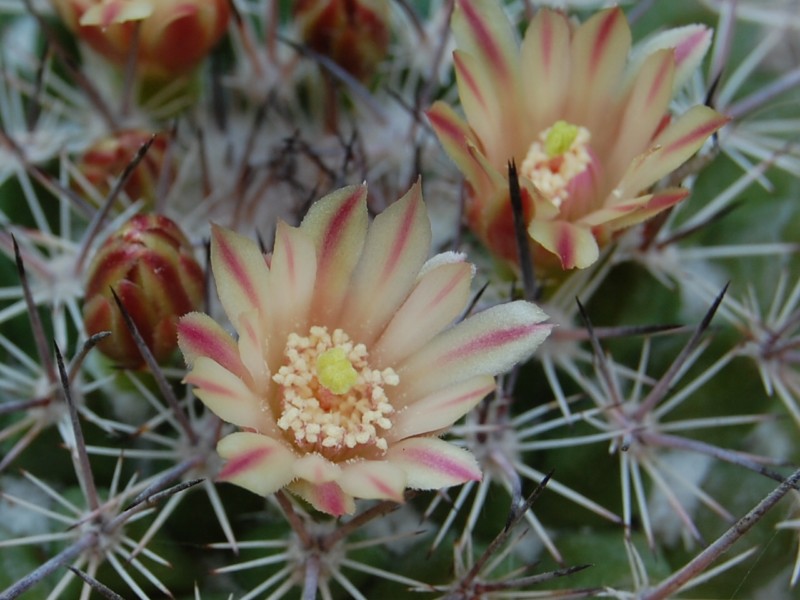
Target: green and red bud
353	33
173	35
149	264
105	160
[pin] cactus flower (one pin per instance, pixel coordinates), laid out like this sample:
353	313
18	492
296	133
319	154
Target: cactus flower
148	262
106	160
173	37
352	33
347	367
589	137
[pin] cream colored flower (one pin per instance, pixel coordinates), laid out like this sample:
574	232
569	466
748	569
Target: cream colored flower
347	366
589	137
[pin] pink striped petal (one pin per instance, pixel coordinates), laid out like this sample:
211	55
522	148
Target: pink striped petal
316	469
487	111
599	53
373	480
574	244
256	462
293	273
691	43
439	297
226	395
240	273
327	497
545	60
253	351
338	226
200	335
674	146
432	464
645	108
454	135
644	208
482	30
488	343
439	410
397	246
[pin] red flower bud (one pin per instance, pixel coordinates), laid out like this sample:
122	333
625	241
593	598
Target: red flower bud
353	33
174	35
107	158
149	264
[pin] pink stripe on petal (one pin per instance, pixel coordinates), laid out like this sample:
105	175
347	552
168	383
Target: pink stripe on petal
466	77
663	77
484	38
288	250
431	463
330	499
209	385
401	241
546	39
690	45
234	266
698	135
245	462
489	342
337	227
603	36
443	464
446	127
199	335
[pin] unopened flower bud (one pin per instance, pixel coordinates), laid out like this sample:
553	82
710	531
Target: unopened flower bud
148	263
173	35
353	33
105	160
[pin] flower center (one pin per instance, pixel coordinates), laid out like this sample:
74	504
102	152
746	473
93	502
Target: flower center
332	401
559	153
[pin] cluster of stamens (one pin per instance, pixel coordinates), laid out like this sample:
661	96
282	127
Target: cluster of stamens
332	401
555	157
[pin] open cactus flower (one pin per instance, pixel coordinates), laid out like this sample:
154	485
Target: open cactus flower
348	365
589	136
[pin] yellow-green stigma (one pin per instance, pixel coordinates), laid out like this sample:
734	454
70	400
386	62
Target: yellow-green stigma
335	372
560	138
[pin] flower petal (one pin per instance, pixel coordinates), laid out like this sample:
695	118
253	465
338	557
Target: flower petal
674	146
482	30
327	497
454	135
338	225
373	480
200	335
397	246
690	42
226	395
256	462
293	272
439	410
240	272
253	351
316	469
599	51
488	61
487	343
545	63
574	244
644	110
439	297
431	463
638	209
